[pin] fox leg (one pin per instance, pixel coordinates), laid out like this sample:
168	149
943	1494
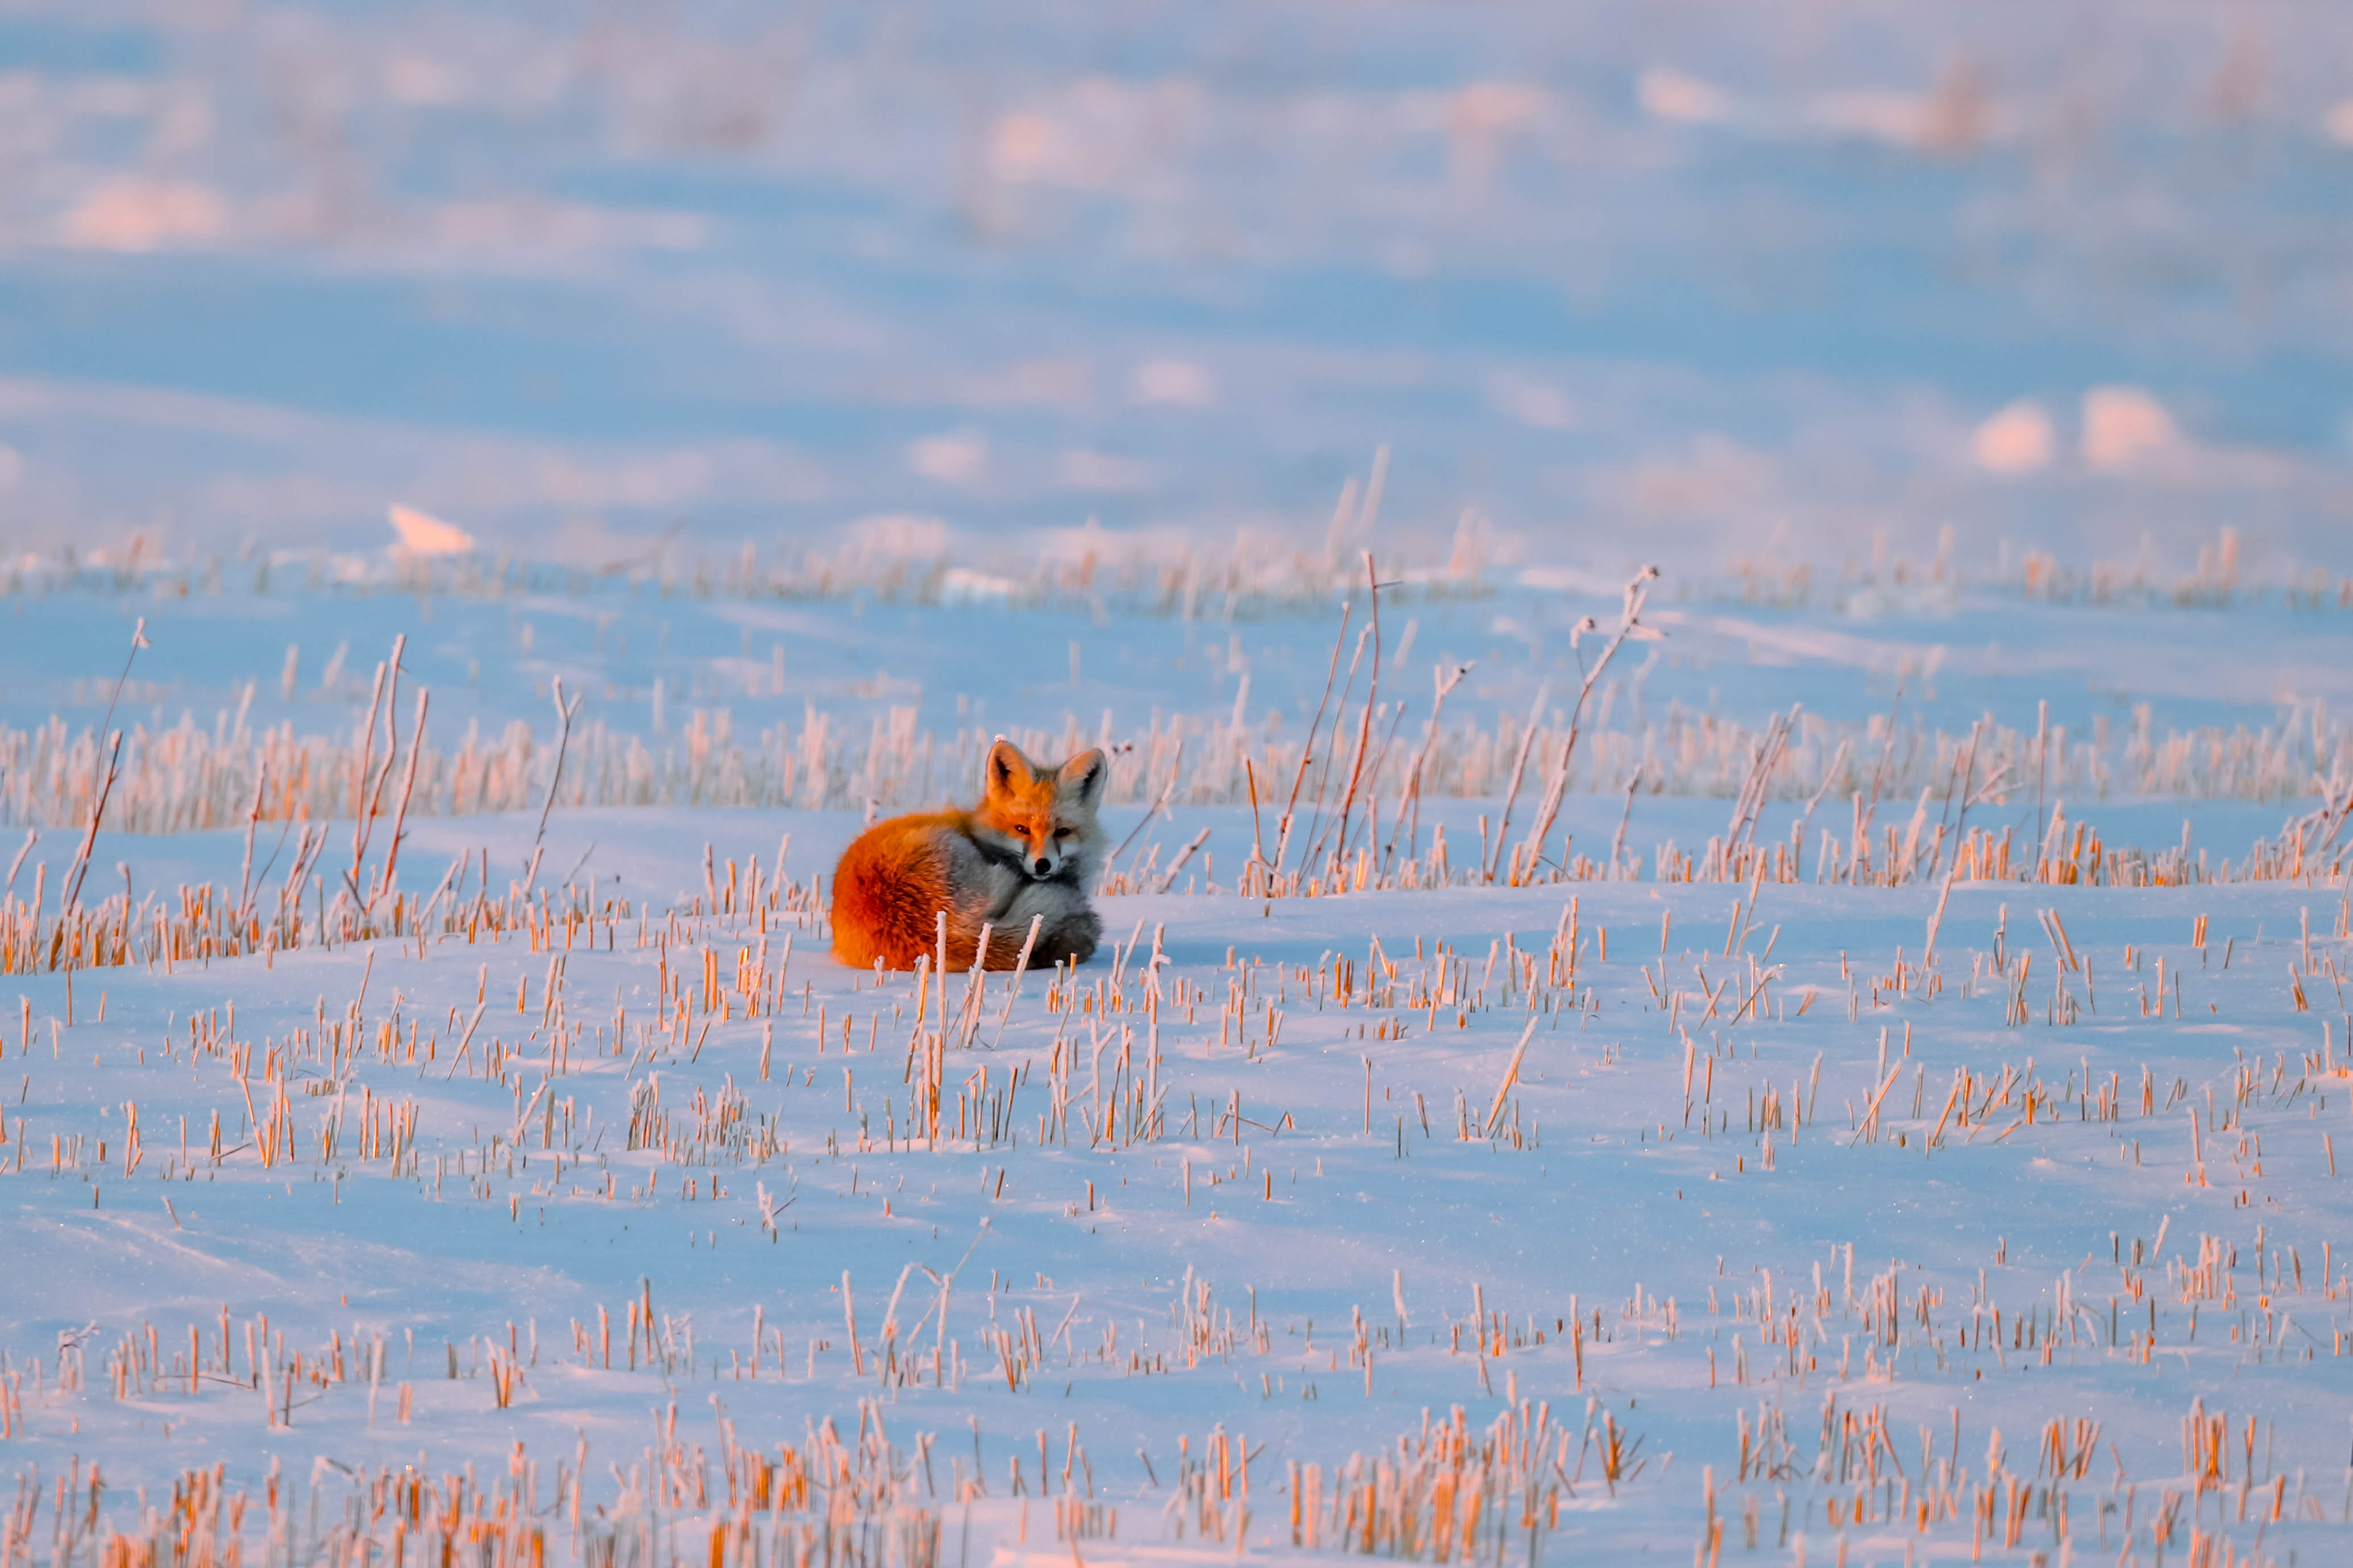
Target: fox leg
1067	929
1014	903
1074	936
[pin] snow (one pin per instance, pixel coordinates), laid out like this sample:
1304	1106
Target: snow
1600	1198
1353	1216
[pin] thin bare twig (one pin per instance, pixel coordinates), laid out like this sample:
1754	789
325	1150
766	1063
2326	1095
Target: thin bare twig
1257	834
1750	806
563	712
1409	792
400	810
1339	717
360	812
1828	774
1630	628
252	821
1158	809
1372	695
72	887
1519	767
1372	782
1307	752
32	836
1169	880
1618	844
1511	1076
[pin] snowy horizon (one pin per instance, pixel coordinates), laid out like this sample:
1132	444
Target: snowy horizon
1623	284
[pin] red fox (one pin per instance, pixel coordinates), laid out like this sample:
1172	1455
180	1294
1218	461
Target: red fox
1030	849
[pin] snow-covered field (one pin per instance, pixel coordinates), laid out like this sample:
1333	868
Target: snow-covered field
1583	1218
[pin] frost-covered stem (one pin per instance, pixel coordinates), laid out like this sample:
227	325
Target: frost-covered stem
1021	968
1628	626
252	821
1511	1076
1751	803
1158	808
1410	792
1316	828
1828	774
1307	752
1618	844
1372	695
563	712
1169	880
400	809
1519	769
1372	782
71	889
363	809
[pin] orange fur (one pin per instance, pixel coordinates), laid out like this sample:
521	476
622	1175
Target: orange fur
1028	850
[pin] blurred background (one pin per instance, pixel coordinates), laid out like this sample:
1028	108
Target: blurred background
1699	281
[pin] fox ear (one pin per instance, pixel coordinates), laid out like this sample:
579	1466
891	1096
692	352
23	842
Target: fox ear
1083	774
1007	768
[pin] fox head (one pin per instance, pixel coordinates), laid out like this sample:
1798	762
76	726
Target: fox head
1044	816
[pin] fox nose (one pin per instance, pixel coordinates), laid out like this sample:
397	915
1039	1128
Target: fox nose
1044	864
